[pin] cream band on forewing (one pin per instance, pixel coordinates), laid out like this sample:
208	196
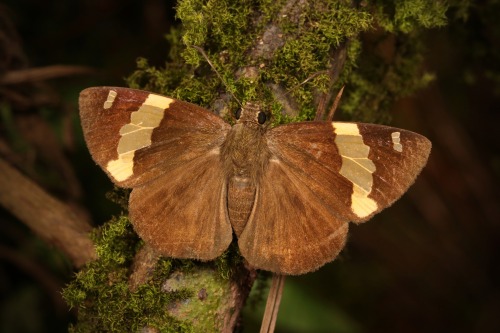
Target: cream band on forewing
137	134
396	141
109	101
356	167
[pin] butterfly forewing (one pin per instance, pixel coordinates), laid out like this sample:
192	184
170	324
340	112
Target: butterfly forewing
136	136
398	157
168	152
356	169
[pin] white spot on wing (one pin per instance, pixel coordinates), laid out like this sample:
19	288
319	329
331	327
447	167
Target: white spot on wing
396	141
346	129
122	168
111	98
137	134
361	205
356	167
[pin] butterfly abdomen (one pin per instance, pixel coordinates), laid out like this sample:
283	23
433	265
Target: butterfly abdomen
240	201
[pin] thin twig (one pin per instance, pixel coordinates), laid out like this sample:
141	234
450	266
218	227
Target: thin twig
42	73
273	304
330	115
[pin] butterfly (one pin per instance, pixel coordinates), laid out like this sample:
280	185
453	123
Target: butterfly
287	193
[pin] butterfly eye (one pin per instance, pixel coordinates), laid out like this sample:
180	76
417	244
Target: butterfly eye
261	118
237	114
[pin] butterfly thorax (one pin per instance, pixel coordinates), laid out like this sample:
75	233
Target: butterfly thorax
245	156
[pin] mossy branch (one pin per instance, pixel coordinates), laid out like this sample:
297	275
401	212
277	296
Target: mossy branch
292	56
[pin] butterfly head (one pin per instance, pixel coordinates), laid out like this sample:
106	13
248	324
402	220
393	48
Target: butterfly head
252	114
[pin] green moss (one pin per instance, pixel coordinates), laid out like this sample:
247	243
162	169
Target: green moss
229	262
323	26
105	303
375	84
114	242
101	293
157	80
376	80
115	309
209	293
227	30
269	9
410	15
119	196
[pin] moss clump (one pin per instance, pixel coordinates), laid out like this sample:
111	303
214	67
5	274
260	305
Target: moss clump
229	262
408	16
228	32
390	63
379	81
321	27
101	292
105	303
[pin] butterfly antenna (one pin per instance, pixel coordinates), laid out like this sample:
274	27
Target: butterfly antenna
272	304
305	81
202	52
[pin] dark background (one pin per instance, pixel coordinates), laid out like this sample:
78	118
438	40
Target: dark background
427	264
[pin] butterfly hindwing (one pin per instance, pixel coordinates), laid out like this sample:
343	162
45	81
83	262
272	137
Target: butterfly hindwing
183	213
332	173
136	136
289	230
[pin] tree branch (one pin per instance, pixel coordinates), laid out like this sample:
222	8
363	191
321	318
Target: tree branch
42	73
49	218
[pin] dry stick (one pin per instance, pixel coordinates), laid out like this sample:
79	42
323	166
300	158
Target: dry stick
48	217
335	105
42	73
143	266
272	304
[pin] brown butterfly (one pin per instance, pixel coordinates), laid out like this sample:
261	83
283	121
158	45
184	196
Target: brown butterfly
287	192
